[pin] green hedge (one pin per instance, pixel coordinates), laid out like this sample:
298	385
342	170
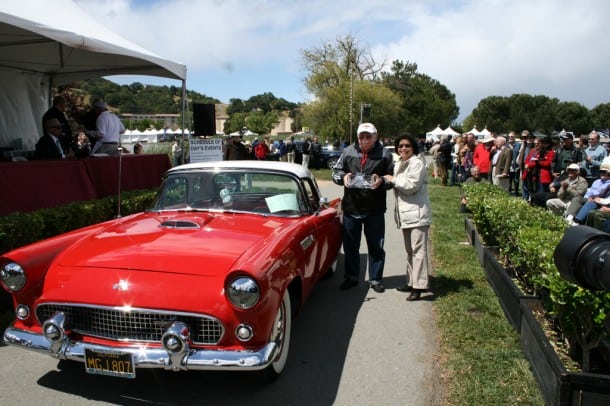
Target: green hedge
526	237
19	229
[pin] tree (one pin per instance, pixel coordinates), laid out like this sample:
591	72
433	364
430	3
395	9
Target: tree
261	122
600	115
342	75
574	117
425	101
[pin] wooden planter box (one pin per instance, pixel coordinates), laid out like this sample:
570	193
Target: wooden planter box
508	293
557	385
475	240
470	229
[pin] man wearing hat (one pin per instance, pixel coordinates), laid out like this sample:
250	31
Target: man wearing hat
49	145
360	170
108	130
573	188
566	154
57	111
235	150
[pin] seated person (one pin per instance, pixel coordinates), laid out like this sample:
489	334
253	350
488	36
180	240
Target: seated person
49	146
598	218
573	188
599	189
475	177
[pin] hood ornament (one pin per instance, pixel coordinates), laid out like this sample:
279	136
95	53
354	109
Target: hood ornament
122	285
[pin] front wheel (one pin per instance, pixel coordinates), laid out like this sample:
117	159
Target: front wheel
280	334
331	162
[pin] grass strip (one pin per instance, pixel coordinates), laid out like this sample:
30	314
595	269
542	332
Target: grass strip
480	353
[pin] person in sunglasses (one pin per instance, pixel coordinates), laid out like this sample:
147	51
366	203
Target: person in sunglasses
413	213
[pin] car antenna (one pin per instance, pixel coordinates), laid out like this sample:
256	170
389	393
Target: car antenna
120	149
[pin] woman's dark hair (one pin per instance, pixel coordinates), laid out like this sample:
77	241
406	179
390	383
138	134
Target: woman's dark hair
412	140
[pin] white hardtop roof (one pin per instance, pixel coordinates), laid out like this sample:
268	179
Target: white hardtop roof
294	169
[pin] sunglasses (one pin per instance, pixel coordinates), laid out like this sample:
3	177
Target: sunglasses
404	146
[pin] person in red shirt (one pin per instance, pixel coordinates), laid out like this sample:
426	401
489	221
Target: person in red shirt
537	165
482	156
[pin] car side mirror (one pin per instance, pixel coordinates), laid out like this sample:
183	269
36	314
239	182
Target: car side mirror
324	202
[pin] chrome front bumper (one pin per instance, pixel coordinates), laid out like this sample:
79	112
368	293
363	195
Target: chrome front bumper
145	357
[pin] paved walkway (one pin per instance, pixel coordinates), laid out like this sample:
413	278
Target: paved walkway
391	355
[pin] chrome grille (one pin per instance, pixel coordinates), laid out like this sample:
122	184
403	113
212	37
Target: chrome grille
132	325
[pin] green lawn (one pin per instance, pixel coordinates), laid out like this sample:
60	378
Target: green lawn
481	356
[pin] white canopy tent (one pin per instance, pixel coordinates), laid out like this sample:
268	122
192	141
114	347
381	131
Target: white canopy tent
450	131
435	134
475	132
46	44
485	132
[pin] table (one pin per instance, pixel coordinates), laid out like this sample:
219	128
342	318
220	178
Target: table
31	185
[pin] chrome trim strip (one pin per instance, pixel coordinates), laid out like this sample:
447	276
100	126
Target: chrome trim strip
145	357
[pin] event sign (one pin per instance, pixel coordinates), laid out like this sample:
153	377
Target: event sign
205	150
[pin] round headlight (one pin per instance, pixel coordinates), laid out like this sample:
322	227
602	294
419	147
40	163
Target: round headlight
244	292
13	276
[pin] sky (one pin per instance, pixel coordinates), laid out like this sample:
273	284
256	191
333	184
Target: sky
476	48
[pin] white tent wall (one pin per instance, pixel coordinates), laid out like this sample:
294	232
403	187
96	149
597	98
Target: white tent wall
23	100
50	43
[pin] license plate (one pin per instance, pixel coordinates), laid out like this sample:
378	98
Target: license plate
112	363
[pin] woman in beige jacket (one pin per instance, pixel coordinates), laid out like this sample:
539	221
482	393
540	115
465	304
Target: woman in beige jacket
412	213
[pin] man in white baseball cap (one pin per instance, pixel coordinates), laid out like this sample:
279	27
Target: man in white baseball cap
360	170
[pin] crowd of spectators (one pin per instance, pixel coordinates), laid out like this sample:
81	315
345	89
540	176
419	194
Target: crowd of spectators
568	175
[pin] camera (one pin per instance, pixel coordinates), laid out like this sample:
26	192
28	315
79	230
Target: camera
583	257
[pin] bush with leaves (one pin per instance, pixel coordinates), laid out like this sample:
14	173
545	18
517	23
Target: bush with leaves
19	229
527	237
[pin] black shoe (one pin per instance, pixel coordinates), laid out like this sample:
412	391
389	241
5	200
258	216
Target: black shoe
378	287
405	288
348	284
414	295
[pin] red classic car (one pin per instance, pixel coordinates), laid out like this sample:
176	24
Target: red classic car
207	279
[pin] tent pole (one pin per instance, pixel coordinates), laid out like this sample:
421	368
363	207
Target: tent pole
183	118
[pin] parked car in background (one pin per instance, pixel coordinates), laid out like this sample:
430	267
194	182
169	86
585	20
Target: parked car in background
208	278
328	156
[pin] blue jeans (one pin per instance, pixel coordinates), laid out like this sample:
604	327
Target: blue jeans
584	210
374	233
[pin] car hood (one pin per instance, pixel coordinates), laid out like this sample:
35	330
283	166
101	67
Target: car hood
185	243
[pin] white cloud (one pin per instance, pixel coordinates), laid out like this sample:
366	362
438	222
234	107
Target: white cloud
476	48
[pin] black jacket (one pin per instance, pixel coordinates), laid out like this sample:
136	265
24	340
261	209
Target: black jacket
47	149
379	161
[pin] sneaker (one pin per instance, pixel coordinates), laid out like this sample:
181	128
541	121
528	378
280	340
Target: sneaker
378	287
570	220
348	284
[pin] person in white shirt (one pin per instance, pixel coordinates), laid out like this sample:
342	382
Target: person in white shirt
108	130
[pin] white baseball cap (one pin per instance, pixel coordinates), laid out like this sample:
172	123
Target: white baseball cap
366	128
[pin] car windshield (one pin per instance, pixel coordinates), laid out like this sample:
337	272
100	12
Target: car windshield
246	192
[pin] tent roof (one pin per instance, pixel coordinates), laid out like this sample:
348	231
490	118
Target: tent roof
450	131
436	132
474	131
59	39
